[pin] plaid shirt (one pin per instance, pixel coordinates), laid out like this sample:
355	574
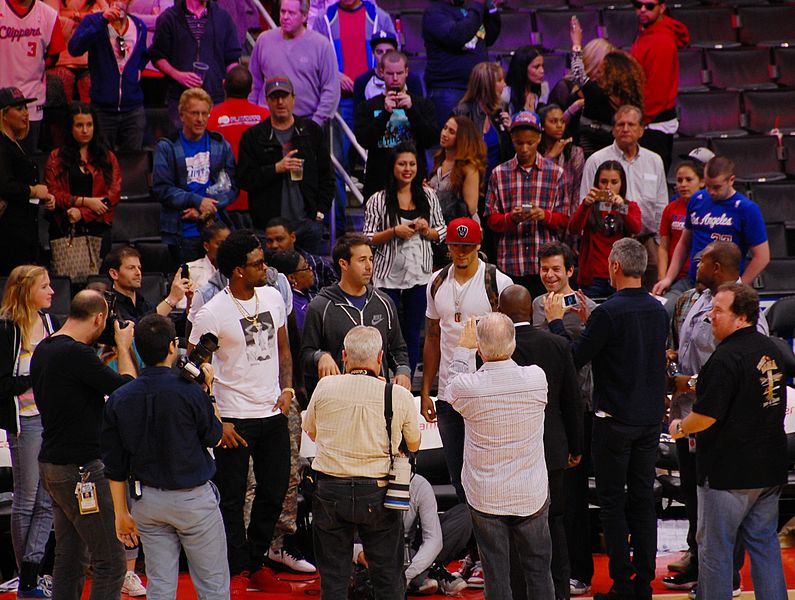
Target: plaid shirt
683	305
324	272
543	186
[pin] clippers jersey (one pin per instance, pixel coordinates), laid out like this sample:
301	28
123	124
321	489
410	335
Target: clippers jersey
26	38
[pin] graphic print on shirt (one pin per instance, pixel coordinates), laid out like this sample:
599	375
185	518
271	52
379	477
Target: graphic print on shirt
260	338
397	130
770	377
198	167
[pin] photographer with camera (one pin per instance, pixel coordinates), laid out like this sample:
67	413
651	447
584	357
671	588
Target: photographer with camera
155	433
354	462
70	384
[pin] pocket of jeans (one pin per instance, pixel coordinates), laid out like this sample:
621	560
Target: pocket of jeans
323	509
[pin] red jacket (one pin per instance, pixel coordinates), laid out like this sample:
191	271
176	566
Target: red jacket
656	50
595	246
57	179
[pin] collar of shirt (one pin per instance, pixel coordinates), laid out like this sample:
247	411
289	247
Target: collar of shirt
156	371
515	166
498	365
521	323
620	152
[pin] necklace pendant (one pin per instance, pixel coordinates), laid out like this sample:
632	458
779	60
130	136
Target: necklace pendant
457	317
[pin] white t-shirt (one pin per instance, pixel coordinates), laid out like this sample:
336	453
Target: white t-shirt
247	360
130	36
473	302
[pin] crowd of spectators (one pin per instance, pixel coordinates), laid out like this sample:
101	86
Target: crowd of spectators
485	190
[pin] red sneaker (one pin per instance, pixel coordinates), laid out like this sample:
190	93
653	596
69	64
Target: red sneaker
263	580
238	586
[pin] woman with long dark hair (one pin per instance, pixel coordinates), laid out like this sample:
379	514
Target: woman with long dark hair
459	168
84	177
483	103
23	324
604	217
20	187
402	222
525	79
554	146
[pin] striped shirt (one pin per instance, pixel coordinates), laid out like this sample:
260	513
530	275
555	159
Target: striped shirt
503	409
346	415
544	186
376	219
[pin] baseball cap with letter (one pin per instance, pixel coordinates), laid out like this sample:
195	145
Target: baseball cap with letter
463	230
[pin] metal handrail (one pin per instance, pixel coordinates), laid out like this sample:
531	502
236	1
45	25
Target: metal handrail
347	179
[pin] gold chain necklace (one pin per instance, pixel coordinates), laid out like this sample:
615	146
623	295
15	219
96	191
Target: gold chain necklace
253	319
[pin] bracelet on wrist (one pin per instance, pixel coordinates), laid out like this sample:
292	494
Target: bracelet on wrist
173	306
289	389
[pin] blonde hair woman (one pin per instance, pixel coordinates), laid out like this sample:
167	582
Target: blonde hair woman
23	324
20	190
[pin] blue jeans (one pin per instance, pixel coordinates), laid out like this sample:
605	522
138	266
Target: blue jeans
31	508
123	132
599	288
444	100
191	518
749	516
78	536
451	430
412	301
624	457
529	536
342	507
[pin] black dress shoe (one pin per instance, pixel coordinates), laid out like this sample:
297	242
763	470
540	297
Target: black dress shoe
681	581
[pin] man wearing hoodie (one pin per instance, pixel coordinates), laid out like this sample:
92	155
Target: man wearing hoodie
656	49
339	307
116	44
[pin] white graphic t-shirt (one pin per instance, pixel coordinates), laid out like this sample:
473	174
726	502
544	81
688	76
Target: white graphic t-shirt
247	360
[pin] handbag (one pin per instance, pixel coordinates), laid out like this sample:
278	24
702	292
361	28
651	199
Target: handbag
76	256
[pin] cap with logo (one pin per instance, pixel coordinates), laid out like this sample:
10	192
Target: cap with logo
278	84
463	230
383	37
702	155
526	120
12	96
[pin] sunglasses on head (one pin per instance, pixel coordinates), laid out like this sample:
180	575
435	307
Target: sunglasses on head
647	5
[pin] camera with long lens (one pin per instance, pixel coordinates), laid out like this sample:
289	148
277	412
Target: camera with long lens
190	366
108	336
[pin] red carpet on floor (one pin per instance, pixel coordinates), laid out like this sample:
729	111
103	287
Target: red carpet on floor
310	586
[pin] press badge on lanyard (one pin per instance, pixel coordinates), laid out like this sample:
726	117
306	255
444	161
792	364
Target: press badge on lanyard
86	492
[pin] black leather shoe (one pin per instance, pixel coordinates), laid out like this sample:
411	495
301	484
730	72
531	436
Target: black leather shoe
681	581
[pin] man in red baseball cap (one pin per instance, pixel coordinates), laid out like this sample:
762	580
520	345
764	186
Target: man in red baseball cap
468	287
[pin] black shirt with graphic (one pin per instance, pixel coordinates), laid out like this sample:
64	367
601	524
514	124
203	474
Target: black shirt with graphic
742	386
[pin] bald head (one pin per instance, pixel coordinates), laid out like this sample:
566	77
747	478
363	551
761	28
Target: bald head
517	303
87	304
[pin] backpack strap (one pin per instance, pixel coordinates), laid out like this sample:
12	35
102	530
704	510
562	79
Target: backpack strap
439	280
490	281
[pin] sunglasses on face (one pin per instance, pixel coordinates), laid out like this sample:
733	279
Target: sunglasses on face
647	5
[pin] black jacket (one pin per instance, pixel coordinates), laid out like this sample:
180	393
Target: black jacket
259	152
564	411
19	232
369	129
11	385
473	111
329	319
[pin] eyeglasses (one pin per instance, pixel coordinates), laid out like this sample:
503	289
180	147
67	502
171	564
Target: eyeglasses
122	43
647	5
307	268
257	264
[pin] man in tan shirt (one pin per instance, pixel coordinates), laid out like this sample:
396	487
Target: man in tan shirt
346	420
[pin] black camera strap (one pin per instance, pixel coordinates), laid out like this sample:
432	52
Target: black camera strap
388	416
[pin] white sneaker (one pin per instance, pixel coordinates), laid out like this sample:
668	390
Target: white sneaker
475	579
294	562
132	585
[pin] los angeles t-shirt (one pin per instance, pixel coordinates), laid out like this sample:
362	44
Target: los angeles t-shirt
246	363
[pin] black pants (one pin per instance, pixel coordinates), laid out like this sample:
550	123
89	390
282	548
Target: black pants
659	142
576	518
624	457
269	446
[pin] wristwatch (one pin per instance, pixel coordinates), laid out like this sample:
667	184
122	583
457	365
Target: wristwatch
691	383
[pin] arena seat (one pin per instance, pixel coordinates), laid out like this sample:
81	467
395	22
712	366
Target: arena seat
692	75
155	257
784	66
682	147
776	201
716	114
755	157
789	155
620	27
136	169
778	276
767	25
777	239
767	109
136	221
781	318
552	28
739	69
554	67
515	31
709	26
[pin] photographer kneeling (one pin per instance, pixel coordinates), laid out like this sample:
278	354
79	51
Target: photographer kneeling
345	418
156	431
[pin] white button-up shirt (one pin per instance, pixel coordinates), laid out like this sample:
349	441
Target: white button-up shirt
503	409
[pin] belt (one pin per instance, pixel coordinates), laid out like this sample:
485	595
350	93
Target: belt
597	125
351	480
